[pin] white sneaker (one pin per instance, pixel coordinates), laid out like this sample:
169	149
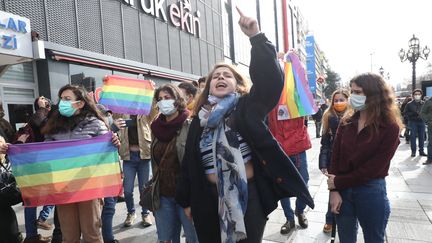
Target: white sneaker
130	219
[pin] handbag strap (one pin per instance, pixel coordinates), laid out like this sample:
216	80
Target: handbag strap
4	167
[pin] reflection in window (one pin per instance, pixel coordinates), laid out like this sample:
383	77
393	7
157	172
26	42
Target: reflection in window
88	77
22	72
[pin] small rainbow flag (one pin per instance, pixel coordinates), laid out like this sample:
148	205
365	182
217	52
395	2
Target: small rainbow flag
296	99
127	95
53	173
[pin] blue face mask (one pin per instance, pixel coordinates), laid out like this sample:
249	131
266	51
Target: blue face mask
66	109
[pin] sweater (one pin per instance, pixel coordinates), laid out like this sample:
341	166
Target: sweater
358	158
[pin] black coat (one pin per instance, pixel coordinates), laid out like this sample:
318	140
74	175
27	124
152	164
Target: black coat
324	158
275	176
412	110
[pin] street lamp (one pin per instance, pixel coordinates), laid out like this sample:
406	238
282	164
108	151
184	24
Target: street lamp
413	54
381	71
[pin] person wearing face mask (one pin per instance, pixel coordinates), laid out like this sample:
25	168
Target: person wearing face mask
363	147
167	150
77	117
416	124
189	92
234	172
135	137
331	118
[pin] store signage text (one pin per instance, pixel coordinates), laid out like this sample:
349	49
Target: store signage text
180	14
9	41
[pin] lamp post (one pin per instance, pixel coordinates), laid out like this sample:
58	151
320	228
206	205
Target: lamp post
413	54
381	71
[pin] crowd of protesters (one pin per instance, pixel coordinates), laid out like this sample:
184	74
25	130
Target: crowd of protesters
222	158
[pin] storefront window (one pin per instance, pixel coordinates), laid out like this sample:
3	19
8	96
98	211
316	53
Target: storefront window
22	72
19	114
88	77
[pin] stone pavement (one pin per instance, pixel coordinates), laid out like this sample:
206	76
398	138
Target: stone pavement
409	187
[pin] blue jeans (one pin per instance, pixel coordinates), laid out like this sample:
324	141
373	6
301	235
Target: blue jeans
131	168
108	212
368	205
300	161
417	130
169	219
30	218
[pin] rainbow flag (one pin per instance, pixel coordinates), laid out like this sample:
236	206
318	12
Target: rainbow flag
296	99
60	172
127	95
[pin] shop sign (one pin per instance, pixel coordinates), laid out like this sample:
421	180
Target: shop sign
15	35
180	14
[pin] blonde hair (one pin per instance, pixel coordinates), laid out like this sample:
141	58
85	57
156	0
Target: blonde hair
331	111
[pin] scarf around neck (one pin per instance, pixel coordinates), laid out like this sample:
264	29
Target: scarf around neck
230	170
165	130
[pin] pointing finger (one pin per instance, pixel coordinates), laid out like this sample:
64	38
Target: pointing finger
239	11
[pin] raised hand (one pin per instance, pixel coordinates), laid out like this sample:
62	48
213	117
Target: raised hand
248	25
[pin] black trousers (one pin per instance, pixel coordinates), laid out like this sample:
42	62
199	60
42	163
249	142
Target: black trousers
255	219
9	232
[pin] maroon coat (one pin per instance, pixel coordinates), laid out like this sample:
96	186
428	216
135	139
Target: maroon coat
358	158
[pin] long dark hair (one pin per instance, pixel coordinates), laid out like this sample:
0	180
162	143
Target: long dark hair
380	102
57	123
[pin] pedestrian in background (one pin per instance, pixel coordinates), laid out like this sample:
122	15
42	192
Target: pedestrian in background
415	122
170	130
223	186
405	119
331	118
364	145
317	117
426	115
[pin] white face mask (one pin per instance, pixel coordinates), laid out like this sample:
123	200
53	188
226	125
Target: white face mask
166	107
357	102
417	97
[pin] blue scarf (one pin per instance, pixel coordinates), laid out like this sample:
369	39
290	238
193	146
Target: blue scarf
230	169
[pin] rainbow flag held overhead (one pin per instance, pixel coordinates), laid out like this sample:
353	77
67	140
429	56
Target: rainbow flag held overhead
59	172
296	99
127	95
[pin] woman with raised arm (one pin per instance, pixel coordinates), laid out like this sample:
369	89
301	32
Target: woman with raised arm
234	172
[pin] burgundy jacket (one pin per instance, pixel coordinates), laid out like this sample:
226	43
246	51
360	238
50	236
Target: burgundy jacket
358	158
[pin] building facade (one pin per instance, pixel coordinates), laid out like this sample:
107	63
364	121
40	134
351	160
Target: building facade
84	40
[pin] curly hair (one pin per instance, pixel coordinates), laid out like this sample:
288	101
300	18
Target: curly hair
381	107
175	92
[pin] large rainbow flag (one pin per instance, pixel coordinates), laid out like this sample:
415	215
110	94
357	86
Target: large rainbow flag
60	172
127	95
296	98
